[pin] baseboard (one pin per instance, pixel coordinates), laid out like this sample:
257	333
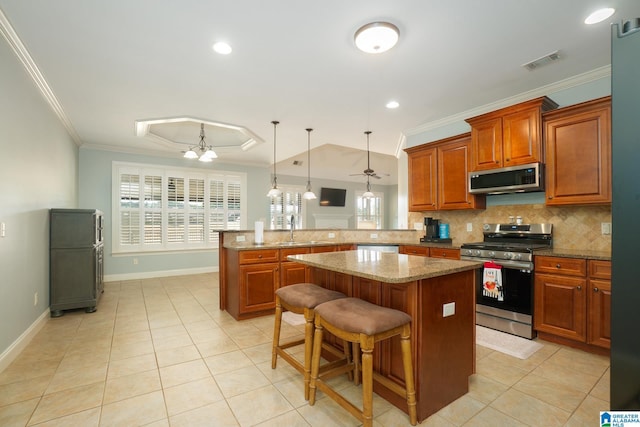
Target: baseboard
23	340
161	273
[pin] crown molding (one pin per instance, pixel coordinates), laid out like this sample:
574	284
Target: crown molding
29	64
567	83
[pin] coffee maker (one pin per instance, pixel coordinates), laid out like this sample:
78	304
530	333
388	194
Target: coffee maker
432	231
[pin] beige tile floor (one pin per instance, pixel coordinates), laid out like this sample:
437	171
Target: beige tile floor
159	352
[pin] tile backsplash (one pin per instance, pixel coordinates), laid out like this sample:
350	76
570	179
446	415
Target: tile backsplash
574	227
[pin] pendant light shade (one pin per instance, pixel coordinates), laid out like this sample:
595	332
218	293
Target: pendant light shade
309	194
368	194
275	191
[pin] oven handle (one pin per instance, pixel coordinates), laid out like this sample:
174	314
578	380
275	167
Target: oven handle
503	263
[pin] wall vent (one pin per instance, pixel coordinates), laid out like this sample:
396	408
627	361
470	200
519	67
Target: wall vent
537	63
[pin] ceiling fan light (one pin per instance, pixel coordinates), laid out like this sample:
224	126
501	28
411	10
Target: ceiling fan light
190	154
377	37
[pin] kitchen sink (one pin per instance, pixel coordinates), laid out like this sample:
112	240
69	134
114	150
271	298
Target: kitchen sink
301	243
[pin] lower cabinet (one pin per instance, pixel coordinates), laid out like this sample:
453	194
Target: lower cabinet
573	300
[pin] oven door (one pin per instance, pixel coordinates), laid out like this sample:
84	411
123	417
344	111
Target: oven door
517	290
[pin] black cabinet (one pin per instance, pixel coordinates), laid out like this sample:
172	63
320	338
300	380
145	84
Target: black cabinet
76	273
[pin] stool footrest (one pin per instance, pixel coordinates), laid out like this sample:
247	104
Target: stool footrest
338	398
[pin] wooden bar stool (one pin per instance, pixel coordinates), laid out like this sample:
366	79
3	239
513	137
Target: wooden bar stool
302	298
360	322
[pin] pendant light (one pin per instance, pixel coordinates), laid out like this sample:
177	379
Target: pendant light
309	195
207	151
275	191
368	194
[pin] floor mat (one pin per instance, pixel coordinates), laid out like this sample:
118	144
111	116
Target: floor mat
506	343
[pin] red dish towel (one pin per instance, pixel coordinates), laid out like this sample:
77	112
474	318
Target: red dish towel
492	281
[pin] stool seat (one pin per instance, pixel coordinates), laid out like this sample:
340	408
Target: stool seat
307	295
361	317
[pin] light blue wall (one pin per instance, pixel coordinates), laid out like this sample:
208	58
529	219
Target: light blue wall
95	192
38	171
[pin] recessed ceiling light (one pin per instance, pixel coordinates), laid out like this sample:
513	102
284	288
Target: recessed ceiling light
222	48
392	104
599	15
377	37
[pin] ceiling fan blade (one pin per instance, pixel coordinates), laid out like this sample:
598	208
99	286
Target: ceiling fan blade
376	176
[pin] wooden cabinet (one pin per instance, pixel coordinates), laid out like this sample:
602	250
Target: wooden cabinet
292	272
449	253
578	154
438	176
573	300
510	136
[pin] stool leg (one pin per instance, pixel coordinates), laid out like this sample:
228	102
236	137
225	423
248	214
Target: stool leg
356	363
366	344
405	344
315	360
308	348
276	333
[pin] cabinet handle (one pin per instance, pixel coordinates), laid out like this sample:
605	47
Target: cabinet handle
579	288
508	160
497	161
259	256
595	289
557	265
550	197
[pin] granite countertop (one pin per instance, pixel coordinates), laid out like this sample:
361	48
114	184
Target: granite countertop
385	267
574	253
240	246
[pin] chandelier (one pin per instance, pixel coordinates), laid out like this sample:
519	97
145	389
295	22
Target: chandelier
206	153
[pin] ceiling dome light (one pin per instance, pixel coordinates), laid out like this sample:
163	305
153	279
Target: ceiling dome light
599	15
377	37
222	48
392	104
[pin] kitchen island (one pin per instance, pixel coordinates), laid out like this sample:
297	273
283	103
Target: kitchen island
439	296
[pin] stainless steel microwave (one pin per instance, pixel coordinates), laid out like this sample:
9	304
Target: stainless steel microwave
512	179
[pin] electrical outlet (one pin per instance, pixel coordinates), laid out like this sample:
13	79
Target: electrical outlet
374	235
448	309
605	227
332	235
35	299
135	261
469	226
239	238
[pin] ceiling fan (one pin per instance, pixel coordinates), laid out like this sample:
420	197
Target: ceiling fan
368	172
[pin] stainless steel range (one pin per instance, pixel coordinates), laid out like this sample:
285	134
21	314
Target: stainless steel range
504	291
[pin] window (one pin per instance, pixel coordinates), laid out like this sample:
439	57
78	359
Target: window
287	204
160	209
370	212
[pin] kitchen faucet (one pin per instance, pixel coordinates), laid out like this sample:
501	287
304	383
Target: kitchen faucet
293	227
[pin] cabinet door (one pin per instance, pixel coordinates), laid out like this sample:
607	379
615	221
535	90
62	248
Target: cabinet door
521	137
444	253
422	168
292	273
560	306
258	284
486	144
599	320
453	168
578	154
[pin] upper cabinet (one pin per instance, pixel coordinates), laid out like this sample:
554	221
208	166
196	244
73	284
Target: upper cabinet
438	176
510	136
578	153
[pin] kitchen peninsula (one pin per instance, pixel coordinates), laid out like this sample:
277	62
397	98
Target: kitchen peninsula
438	294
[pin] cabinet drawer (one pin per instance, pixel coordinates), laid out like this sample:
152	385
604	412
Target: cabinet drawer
262	255
284	253
414	250
599	269
444	253
560	265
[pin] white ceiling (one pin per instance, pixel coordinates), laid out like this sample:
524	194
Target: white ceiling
112	63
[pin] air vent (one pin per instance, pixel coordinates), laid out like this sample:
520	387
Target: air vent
553	56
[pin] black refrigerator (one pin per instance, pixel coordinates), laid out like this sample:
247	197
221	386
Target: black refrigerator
76	253
625	286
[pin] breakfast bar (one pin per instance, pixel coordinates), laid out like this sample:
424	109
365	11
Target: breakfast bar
439	296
